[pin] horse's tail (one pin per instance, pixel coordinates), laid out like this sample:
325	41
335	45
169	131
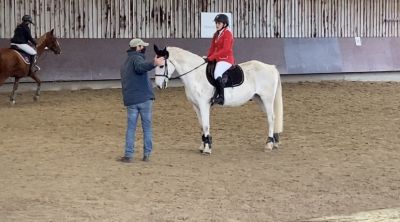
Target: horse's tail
278	107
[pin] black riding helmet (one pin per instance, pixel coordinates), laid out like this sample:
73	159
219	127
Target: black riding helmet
27	18
222	18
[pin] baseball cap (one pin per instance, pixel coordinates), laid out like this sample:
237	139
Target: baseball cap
137	42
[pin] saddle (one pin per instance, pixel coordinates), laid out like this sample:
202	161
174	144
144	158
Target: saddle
232	77
25	56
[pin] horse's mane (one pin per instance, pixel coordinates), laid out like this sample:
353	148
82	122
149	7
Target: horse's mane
42	38
182	55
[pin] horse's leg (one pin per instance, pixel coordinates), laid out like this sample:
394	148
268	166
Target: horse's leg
196	109
37	80
15	87
204	111
268	107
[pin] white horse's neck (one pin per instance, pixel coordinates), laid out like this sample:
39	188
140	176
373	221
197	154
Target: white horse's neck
190	65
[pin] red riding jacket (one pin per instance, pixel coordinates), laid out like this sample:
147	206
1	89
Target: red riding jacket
222	47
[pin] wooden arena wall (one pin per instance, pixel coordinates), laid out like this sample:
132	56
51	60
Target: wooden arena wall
181	18
100	59
298	36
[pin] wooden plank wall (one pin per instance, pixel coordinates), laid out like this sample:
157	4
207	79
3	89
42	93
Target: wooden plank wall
181	18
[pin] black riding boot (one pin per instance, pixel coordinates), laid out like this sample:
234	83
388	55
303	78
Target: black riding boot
220	88
31	64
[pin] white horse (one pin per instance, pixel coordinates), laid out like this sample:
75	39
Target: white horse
261	84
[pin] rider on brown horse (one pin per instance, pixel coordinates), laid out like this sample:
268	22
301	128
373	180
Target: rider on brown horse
21	39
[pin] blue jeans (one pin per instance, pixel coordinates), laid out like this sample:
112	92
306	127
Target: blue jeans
145	111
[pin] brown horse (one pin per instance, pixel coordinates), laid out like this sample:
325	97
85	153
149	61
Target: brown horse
12	65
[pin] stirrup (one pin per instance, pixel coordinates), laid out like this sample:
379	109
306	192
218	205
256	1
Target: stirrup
218	100
213	100
35	68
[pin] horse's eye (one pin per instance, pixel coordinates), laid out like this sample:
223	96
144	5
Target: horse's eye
161	66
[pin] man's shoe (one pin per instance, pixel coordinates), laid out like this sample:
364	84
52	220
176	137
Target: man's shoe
125	159
146	158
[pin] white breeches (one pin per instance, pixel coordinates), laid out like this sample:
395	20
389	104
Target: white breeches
26	48
220	68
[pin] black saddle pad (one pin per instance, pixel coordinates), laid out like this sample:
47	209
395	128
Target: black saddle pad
22	53
232	77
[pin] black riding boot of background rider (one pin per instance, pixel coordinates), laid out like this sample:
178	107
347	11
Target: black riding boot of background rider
220	88
31	64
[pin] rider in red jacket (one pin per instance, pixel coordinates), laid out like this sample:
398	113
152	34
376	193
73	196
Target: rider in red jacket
221	51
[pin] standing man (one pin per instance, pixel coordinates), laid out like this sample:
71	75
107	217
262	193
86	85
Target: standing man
138	96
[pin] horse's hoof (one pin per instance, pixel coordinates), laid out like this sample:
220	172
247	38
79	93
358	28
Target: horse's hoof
201	148
36	98
276	146
12	102
269	146
206	150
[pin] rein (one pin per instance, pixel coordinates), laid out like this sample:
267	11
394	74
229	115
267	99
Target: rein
165	74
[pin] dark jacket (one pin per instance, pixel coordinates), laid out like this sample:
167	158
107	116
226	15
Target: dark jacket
136	84
22	35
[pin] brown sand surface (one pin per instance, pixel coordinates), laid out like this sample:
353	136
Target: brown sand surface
340	154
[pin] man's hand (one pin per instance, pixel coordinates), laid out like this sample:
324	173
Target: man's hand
159	61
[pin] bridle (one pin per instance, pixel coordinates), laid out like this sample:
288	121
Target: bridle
165	74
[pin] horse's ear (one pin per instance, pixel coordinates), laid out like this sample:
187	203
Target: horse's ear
156	49
52	31
165	52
